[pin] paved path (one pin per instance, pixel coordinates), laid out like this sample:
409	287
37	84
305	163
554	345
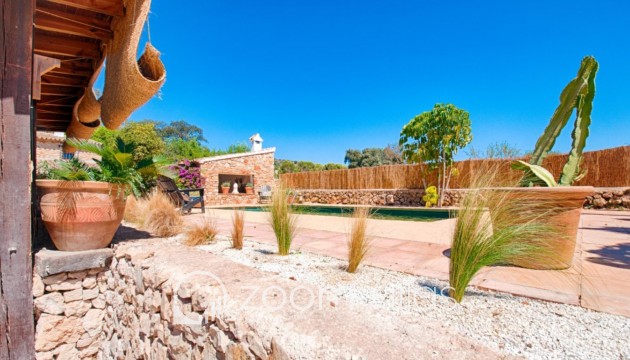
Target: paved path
599	278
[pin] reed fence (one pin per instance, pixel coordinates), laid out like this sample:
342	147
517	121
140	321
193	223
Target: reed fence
604	168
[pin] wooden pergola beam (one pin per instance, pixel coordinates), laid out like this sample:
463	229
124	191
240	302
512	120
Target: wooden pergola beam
61	90
44	116
42	65
16	271
65	23
47	44
74	68
107	7
60	80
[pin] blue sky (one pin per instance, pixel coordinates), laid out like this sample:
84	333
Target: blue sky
315	78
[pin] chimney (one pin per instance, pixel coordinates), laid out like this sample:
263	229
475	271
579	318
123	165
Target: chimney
256	141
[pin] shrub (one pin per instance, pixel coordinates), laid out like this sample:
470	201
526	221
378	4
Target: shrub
281	220
238	224
202	233
430	197
358	241
189	175
161	218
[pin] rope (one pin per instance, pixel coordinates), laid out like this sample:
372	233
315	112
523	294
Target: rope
149	27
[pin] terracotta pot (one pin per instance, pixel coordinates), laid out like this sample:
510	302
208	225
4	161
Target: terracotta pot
225	190
81	215
249	190
567	202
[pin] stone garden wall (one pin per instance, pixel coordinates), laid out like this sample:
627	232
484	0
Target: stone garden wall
603	198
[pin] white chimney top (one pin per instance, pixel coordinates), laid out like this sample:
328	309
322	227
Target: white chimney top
256	141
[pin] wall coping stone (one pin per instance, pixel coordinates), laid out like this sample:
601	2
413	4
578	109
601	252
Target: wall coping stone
237	155
51	262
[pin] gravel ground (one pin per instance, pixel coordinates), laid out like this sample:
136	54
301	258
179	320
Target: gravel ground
509	324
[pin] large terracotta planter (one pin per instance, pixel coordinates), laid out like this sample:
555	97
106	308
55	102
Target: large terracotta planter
81	215
567	202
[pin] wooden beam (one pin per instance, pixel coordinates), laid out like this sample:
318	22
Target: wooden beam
66	23
48	44
43	116
107	7
42	65
16	273
58	100
52	128
54	109
75	68
61	80
61	90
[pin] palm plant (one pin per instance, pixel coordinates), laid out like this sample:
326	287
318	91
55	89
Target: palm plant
116	165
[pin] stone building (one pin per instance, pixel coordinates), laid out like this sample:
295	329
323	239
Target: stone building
255	167
48	148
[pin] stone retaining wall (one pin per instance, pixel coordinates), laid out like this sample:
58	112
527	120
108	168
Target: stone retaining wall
604	198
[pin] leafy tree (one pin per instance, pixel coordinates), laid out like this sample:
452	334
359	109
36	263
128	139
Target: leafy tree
181	129
373	157
333	166
186	149
495	150
291	166
434	137
143	134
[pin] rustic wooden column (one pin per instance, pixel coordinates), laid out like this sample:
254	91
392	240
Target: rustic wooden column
16	64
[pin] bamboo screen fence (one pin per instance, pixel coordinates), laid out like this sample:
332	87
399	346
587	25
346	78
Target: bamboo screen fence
605	168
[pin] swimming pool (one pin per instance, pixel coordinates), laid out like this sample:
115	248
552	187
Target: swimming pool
385	213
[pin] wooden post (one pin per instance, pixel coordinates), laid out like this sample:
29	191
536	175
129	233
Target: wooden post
16	64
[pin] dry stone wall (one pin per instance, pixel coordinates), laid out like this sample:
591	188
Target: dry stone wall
603	198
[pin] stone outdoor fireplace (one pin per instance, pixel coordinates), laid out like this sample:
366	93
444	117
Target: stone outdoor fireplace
256	167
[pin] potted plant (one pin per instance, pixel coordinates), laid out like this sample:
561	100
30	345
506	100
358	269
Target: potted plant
82	206
539	186
225	188
249	188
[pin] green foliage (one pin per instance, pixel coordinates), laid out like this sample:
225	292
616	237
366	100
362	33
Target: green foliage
117	166
434	138
281	220
430	196
291	166
373	157
495	150
534	175
179	149
143	134
180	130
578	95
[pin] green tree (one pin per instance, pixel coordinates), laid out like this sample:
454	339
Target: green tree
144	135
434	138
105	136
373	157
180	129
178	149
333	166
496	150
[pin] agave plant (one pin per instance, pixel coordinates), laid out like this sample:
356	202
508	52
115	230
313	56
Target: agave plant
578	95
116	166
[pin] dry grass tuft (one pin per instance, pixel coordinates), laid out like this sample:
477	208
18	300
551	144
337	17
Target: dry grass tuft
161	217
358	242
238	223
135	210
281	220
202	233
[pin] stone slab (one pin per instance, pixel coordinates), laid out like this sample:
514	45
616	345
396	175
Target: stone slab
51	262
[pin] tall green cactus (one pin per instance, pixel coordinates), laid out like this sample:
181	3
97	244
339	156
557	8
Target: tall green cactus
578	94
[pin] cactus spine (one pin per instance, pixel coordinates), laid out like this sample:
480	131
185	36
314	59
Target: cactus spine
578	95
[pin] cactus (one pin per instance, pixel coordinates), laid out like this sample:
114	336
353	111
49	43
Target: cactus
578	95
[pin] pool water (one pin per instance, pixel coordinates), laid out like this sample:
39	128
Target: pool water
384	213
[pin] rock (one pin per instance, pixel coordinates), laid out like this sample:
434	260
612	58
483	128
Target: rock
93	321
625	201
89	294
255	346
38	286
68	284
55	279
50	303
77	275
67	352
178	347
99	302
53	330
185	290
607	195
599	203
48	355
277	352
77	308
73	295
89	282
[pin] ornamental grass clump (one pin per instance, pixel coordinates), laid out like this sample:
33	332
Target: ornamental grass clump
358	241
201	233
281	220
161	219
494	227
238	224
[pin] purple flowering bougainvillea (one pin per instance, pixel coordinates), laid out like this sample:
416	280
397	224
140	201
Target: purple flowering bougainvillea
189	174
